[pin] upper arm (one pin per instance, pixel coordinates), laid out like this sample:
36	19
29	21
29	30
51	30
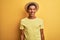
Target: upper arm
41	25
21	25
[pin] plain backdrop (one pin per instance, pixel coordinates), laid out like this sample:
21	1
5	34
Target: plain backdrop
12	11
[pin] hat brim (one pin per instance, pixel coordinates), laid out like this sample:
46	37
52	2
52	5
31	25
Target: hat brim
30	3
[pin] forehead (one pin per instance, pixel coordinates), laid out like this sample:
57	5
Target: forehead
32	6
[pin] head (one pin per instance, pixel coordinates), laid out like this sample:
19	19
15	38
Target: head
32	8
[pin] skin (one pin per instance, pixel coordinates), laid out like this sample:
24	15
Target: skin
31	12
42	34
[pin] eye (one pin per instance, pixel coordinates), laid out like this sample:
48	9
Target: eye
30	9
34	9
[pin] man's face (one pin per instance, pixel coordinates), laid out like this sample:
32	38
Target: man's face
32	10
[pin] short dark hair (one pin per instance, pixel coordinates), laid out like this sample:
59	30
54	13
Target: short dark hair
32	4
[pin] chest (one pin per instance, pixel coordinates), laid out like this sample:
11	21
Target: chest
32	25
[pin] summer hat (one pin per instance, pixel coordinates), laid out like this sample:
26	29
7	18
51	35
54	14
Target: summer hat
31	3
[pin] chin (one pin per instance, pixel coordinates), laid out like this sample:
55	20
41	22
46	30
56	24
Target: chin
31	15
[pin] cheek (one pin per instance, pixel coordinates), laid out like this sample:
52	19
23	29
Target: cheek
34	10
29	11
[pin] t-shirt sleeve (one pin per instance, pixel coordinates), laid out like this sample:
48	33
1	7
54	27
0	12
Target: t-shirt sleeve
21	25
42	25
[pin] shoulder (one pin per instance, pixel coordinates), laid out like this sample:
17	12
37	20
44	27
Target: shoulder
23	19
40	19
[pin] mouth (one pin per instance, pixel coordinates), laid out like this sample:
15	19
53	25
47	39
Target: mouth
32	13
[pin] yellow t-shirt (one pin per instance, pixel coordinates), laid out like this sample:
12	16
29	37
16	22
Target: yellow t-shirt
32	28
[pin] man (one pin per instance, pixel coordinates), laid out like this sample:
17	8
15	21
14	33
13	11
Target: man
32	27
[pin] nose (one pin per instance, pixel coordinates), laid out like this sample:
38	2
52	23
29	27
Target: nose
32	10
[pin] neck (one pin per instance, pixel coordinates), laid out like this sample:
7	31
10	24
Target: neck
31	17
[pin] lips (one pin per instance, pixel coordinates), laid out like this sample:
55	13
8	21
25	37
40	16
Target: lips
32	12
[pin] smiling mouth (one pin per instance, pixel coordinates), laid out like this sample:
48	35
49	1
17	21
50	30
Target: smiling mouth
32	12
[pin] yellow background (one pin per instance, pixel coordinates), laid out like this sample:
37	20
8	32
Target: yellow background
13	10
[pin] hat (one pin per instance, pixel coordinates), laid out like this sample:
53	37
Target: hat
31	3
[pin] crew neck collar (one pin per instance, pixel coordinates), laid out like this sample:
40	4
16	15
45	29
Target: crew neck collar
31	19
